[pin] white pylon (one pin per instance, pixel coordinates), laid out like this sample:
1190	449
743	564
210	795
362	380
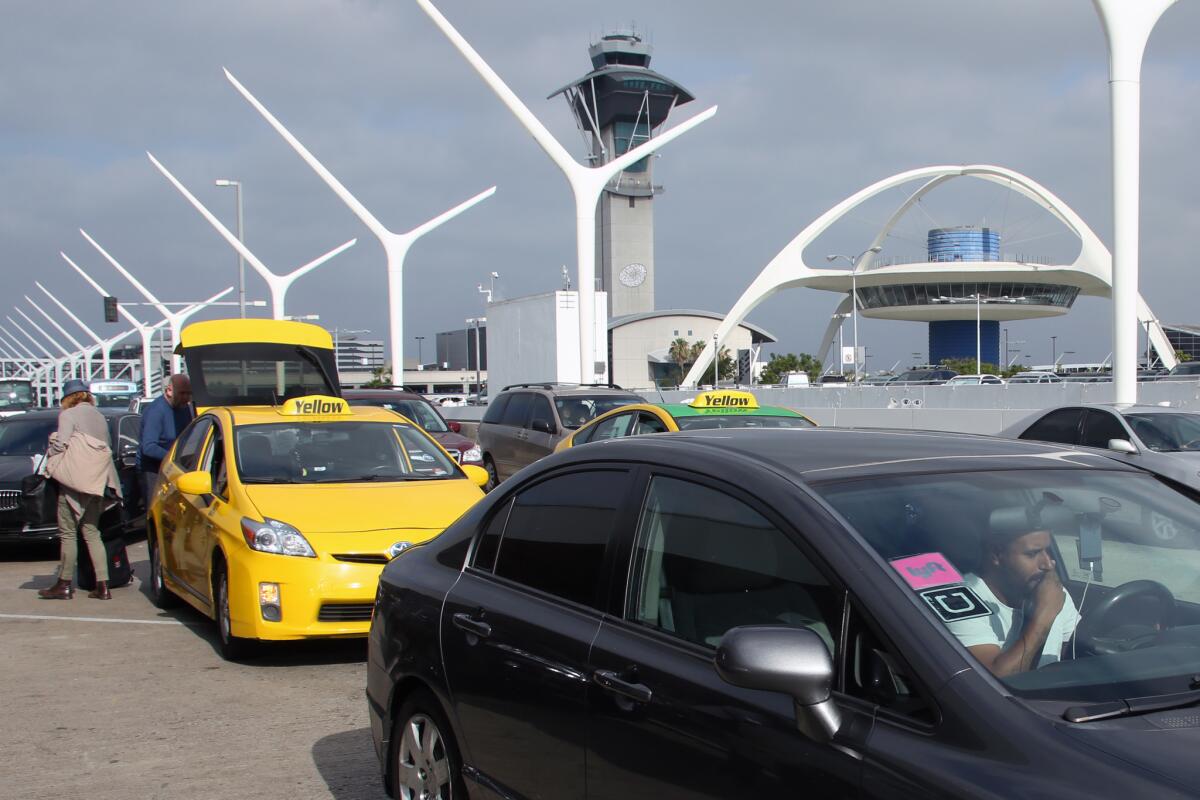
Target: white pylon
39	370
278	284
175	319
50	359
587	183
84	371
395	245
1127	27
68	356
105	345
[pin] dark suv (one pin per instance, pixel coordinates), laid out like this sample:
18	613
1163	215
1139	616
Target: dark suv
527	420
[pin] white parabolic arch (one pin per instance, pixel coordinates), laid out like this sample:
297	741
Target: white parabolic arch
788	270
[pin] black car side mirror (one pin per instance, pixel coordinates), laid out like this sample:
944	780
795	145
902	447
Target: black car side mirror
541	426
794	661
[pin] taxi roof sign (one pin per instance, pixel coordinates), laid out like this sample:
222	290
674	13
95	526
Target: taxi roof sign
314	405
725	400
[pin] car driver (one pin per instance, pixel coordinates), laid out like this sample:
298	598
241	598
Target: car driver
1032	616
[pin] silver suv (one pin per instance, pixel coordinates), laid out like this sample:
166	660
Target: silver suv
525	421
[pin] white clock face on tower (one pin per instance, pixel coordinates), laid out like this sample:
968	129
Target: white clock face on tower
633	275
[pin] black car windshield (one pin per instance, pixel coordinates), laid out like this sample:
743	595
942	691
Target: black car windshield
578	410
419	411
1166	433
15	395
708	422
26	437
987	552
338	452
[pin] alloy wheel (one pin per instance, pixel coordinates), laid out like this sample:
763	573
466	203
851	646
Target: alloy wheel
422	763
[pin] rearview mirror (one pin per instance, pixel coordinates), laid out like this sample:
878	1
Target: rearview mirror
1122	446
197	483
794	661
477	475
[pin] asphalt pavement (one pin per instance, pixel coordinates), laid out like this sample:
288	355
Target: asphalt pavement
117	699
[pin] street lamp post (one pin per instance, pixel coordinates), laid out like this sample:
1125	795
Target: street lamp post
854	294
978	299
1053	351
237	188
420	355
477	321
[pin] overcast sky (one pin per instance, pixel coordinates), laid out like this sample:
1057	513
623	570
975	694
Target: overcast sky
817	100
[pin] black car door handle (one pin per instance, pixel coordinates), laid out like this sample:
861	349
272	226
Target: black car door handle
612	681
472	626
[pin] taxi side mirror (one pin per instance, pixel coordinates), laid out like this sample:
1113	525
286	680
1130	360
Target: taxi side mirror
477	475
197	483
794	661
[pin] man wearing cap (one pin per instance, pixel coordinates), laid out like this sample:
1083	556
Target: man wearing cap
1032	616
162	422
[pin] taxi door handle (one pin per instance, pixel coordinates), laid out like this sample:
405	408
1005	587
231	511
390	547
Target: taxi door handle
612	681
475	627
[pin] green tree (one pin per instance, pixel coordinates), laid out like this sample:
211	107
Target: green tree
966	366
779	365
684	355
381	377
1182	356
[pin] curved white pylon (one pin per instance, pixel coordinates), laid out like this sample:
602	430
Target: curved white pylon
788	269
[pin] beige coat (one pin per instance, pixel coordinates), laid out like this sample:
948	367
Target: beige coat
80	455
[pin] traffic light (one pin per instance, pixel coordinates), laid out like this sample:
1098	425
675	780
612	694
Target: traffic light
110	309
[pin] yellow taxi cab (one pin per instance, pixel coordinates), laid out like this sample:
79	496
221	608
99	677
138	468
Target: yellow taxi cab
717	409
276	521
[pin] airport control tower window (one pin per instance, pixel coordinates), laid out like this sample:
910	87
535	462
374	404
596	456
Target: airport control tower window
629	135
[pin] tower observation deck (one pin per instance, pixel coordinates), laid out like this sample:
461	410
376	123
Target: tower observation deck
618	105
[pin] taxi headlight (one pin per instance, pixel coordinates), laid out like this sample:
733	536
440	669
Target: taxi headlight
472	455
273	536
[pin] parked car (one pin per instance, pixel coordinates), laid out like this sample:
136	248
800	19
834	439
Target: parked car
1165	441
1183	371
975	380
922	377
1034	377
424	413
527	421
740	613
23	442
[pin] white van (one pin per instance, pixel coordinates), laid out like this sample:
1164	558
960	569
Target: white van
795	379
114	394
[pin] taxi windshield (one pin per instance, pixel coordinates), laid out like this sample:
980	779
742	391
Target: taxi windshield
1067	584
710	421
338	452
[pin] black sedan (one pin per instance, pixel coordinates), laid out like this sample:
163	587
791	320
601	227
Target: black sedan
827	613
23	442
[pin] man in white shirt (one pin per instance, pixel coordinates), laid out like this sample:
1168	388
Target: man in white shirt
1032	616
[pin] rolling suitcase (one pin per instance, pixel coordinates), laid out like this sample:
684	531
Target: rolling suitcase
120	572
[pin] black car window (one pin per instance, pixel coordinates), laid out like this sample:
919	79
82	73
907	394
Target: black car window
496	409
129	430
649	423
187	452
706	562
873	671
518	410
215	464
26	437
557	532
612	428
542	411
489	542
1058	426
1100	426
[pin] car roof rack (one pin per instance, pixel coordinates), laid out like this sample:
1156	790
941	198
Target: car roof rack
557	384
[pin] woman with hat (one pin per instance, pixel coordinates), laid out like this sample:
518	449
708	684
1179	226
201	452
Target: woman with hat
80	461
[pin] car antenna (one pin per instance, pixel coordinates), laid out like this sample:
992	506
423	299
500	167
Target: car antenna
658	389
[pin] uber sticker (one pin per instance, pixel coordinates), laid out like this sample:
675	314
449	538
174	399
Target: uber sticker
952	603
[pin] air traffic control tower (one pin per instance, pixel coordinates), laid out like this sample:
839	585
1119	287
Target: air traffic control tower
619	105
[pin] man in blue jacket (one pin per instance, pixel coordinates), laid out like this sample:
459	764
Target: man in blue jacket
162	422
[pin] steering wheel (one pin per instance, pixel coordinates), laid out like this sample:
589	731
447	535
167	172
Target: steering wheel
1097	632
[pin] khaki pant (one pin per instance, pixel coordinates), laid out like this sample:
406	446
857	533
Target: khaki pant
80	512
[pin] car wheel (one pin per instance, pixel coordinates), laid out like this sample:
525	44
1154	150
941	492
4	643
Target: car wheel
160	595
426	762
493	476
233	648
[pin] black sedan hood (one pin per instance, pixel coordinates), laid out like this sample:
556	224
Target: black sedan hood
14	468
1165	743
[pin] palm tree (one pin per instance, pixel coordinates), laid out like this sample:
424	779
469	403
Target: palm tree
680	352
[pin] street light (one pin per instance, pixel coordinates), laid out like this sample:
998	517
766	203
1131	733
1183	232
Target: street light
978	299
237	188
476	321
1053	350
420	357
854	292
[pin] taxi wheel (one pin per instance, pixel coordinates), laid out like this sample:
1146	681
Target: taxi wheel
160	595
493	476
425	762
233	648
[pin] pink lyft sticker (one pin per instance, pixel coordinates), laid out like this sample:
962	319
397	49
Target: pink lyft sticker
924	571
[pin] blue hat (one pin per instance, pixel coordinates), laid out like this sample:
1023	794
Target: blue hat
72	386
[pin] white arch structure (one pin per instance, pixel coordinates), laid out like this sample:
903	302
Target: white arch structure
1091	271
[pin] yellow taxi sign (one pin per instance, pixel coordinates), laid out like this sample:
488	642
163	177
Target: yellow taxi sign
314	405
725	399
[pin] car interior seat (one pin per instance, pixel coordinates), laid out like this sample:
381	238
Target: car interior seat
258	459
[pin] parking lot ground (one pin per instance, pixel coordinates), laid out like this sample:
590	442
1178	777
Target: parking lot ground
118	699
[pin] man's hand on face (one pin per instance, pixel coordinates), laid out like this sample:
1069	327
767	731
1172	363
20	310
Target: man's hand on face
1048	597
